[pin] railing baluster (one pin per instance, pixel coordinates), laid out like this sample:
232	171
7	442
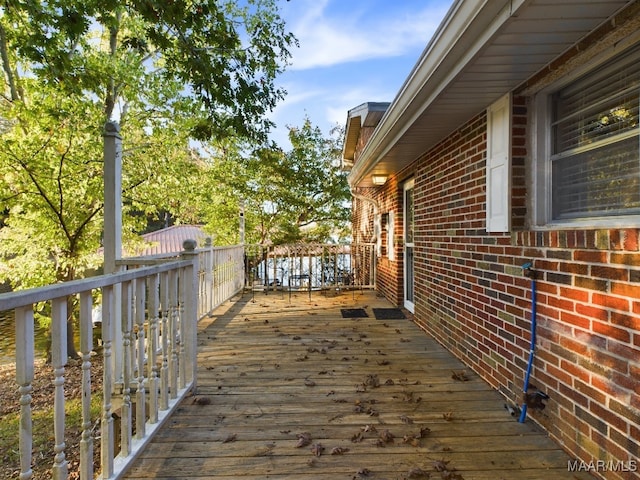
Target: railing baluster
152	348
166	314
86	345
107	443
173	331
24	378
126	414
59	361
140	315
180	337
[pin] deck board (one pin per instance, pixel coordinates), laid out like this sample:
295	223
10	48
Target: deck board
270	369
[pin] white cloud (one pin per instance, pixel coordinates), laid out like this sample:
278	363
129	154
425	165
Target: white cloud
326	38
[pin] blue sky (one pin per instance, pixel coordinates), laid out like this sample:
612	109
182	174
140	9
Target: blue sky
351	52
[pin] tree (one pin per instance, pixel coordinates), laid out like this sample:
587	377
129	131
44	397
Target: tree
224	57
298	195
169	71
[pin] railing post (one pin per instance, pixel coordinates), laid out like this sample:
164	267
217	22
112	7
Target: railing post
190	320
112	151
208	275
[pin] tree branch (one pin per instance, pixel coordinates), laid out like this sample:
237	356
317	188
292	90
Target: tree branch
6	65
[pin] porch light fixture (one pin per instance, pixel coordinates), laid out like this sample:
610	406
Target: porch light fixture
378	179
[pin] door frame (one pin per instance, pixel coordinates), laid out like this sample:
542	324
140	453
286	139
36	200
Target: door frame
408	264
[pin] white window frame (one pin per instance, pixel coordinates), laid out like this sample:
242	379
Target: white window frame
390	226
541	217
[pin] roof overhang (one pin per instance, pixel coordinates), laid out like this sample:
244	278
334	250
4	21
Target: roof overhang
482	50
365	115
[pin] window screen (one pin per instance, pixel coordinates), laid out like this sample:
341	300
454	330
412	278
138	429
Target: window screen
595	143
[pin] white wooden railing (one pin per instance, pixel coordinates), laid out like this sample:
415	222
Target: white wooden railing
150	309
220	273
312	266
149	327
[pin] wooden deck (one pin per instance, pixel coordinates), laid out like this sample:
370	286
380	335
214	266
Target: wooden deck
375	399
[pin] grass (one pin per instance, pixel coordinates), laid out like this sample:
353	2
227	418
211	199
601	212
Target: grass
43	437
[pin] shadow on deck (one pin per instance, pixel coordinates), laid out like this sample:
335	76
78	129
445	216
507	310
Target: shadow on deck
292	390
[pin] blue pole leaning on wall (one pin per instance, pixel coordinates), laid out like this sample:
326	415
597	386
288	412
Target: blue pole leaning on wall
532	274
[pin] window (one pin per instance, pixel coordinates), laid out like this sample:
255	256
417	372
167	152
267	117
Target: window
593	145
390	227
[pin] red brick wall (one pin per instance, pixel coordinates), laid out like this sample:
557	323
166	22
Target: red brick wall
471	295
387	198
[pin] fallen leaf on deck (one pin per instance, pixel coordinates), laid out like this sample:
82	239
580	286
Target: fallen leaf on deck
411	440
406	420
363	472
232	437
372	381
386	436
447	475
418	473
304	439
317	449
202	400
460	376
441	465
339	450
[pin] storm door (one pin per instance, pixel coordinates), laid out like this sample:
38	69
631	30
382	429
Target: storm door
409	276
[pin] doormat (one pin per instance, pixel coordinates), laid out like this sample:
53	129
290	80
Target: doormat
353	313
388	313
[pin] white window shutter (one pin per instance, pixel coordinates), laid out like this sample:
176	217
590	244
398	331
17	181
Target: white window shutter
391	253
377	232
499	165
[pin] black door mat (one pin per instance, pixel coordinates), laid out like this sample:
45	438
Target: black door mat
353	313
388	313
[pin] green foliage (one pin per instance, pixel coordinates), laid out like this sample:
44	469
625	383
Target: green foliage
171	72
295	196
51	167
168	71
225	57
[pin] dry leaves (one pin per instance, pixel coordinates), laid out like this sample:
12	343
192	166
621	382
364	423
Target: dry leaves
460	376
232	437
317	449
304	439
417	472
339	450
